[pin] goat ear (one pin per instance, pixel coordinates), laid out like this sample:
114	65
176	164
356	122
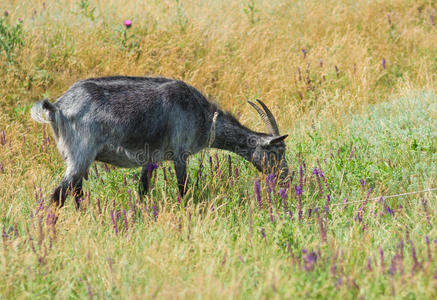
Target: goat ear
275	139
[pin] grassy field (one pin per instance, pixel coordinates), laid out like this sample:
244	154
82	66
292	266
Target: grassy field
352	83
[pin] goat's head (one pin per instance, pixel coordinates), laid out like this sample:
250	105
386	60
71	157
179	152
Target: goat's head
269	153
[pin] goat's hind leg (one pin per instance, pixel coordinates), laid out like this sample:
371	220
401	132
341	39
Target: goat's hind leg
77	166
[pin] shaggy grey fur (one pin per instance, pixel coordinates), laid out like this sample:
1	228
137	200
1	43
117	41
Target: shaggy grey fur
133	121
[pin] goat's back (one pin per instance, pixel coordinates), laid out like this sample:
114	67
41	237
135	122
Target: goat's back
134	111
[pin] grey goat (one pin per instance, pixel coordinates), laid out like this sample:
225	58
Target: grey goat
133	121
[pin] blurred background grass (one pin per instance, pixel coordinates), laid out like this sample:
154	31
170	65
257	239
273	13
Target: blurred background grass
352	82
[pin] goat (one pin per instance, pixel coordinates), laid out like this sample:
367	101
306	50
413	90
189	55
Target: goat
133	121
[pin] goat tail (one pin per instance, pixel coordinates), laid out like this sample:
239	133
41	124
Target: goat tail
44	112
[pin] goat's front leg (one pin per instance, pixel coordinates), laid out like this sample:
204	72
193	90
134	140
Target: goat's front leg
143	186
77	192
181	175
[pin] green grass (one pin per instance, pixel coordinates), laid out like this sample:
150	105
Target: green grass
369	127
213	246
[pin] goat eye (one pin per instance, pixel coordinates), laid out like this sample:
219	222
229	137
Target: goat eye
252	141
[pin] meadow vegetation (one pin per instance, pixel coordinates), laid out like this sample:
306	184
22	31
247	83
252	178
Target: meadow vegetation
351	82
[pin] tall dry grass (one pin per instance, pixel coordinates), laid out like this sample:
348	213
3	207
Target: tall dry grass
309	61
214	46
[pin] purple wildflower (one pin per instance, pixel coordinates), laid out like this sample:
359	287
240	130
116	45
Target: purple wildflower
210	165
425	208
126	226
272	180
345	202
304	52
381	257
257	189
283	193
127	23
401	248
414	256
359	216
6	13
217	160
351	154
3	138
151	167
96	170
334	266
98	206
383	63
298	190
129	192
301	174
362	183
322	228
263	233
428	248
236	172
224	260
369	264
310	260
164	174
229	165
270	204
114	223
392	269
367	199
90	290
179	199
326	211
155	211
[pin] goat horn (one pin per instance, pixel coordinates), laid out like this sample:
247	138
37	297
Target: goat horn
265	118
270	116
